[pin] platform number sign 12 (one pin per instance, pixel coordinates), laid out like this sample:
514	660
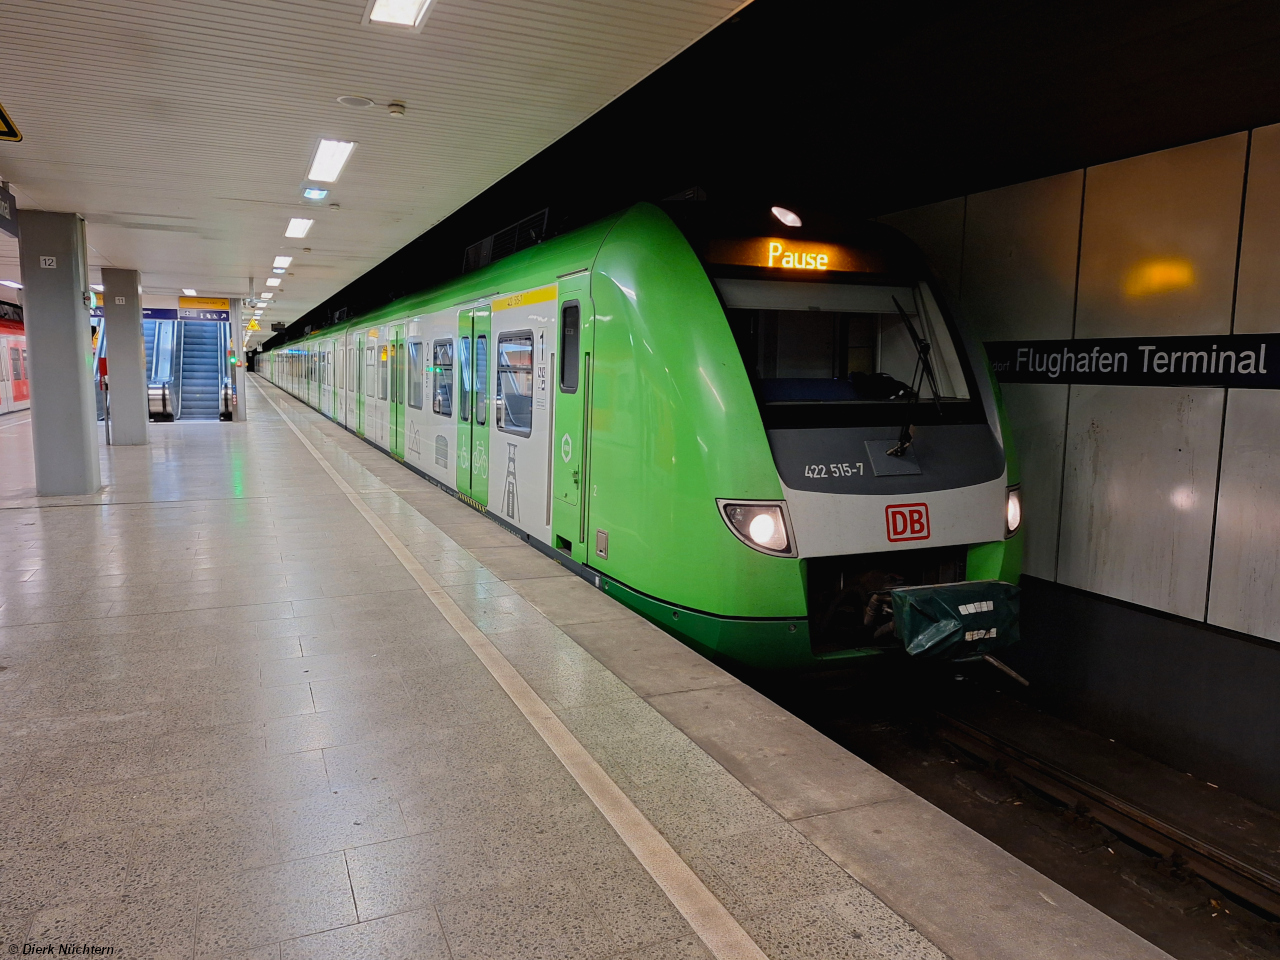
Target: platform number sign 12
49	263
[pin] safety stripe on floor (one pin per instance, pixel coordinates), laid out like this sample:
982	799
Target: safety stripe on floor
713	924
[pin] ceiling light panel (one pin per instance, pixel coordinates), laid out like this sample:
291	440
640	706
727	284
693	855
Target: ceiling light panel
96	287
266	296
12	283
398	13
273	281
331	156
282	261
298	227
188	292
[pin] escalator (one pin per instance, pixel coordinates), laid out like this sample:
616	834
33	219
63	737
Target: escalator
189	375
201	384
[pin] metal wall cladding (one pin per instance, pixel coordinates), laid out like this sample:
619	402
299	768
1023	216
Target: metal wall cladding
1258	289
1245	591
1020	246
1158	245
938	230
1138	492
1037	414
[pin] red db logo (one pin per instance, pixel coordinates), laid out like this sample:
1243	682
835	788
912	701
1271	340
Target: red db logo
907	521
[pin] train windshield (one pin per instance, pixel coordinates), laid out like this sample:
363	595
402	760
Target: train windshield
845	344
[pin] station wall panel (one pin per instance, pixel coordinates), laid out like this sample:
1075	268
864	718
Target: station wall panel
1245	593
1138	492
1158	244
1037	414
1258	288
1020	246
938	230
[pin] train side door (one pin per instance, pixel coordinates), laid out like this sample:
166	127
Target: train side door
571	437
360	375
335	365
396	413
473	402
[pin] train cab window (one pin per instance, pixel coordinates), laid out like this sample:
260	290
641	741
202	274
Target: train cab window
513	393
415	374
464	388
384	372
442	374
828	344
570	355
482	380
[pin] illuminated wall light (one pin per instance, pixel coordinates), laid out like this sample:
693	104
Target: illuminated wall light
786	216
188	292
331	156
1159	275
281	262
298	227
315	193
399	13
273	281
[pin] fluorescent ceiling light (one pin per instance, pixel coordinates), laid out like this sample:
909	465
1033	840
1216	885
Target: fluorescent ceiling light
12	283
95	287
187	291
315	193
273	281
277	269
266	296
399	13
282	262
331	156
298	227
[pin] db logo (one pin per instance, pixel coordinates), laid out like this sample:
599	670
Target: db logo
907	521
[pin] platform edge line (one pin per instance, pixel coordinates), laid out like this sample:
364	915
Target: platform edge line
701	909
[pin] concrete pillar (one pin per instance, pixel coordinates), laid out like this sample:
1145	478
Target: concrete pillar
126	355
64	416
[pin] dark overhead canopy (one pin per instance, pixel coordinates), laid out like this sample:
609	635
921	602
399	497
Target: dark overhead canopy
865	108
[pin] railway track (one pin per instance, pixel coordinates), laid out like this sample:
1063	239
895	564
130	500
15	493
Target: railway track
1250	882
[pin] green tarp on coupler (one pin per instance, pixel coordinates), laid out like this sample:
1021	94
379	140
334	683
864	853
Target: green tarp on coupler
958	621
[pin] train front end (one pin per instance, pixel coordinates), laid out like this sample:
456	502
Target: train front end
899	491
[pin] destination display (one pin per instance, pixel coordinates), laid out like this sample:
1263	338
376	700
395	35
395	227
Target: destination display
1241	360
793	256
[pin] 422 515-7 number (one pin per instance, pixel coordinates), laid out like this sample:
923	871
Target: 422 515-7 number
821	470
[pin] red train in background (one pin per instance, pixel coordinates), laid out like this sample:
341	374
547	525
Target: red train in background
15	392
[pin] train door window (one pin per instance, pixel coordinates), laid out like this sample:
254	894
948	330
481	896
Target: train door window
415	374
342	368
570	355
395	362
482	379
24	364
370	370
15	361
464	367
513	393
384	372
442	375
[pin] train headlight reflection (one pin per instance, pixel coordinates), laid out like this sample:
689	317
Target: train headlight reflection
1012	511
761	525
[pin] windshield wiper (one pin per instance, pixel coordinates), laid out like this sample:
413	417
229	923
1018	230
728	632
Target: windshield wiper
923	371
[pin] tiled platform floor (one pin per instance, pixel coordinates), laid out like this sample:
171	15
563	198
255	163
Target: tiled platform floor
232	725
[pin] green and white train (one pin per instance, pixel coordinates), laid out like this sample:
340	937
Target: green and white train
747	431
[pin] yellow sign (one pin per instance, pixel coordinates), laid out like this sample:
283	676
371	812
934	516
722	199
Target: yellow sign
799	256
8	129
204	303
526	299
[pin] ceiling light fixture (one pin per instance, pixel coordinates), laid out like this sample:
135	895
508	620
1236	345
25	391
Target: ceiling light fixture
277	269
315	193
188	292
96	287
358	102
266	296
273	281
786	216
298	227
398	13
282	262
12	283
331	156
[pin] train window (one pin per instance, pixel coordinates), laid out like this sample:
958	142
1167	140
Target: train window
415	374
370	370
513	394
15	360
384	372
570	355
482	380
342	368
24	364
442	374
464	367
841	343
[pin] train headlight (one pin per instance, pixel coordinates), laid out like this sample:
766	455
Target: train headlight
760	524
1012	511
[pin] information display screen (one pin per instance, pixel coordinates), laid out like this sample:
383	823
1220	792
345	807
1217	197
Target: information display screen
798	257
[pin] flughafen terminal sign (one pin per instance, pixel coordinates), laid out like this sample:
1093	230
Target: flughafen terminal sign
1244	360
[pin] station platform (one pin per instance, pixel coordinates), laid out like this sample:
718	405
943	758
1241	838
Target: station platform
273	695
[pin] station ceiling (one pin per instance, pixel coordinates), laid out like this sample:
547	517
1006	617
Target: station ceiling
868	107
183	132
